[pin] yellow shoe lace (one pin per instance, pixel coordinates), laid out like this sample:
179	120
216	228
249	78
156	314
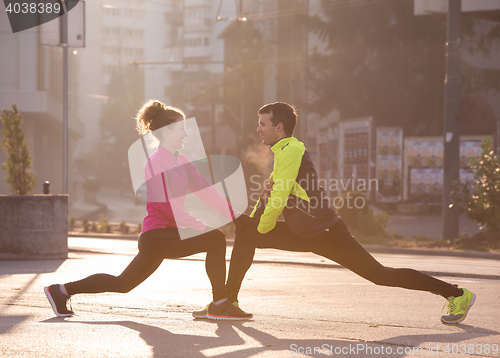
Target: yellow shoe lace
450	305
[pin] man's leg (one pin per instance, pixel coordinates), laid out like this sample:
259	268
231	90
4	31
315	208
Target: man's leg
338	245
281	237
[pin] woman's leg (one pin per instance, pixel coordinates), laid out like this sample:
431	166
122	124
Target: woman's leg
141	267
154	246
338	245
213	243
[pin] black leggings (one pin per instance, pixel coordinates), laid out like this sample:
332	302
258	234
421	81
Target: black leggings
338	245
155	246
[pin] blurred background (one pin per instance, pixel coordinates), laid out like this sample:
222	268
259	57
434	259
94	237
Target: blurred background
367	77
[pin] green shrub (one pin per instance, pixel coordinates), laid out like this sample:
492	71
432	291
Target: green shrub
480	198
351	207
124	227
71	222
354	210
21	179
104	226
374	223
86	225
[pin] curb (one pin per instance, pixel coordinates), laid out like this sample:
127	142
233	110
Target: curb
377	249
431	252
88	235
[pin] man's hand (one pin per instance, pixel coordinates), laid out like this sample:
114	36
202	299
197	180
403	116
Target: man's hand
244	222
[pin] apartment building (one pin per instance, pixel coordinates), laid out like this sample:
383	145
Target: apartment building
31	77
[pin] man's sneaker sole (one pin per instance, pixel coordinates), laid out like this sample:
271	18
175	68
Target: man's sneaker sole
465	314
227	318
53	304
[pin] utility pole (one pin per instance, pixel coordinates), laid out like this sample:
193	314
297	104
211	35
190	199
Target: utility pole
451	118
498	138
214	122
304	123
64	45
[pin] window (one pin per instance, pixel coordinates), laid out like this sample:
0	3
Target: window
111	50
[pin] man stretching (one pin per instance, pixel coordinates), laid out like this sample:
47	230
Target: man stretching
311	224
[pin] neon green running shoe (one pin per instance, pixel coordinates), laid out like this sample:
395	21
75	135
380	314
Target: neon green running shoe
203	313
458	307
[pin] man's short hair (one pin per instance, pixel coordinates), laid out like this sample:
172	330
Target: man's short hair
281	112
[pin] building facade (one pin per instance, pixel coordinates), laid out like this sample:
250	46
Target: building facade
31	77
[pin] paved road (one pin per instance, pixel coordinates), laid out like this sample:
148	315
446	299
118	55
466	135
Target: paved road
299	303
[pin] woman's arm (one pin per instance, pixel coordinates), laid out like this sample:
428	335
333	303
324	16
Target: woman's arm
198	185
160	192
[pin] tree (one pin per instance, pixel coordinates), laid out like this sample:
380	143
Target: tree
382	60
117	123
244	91
20	177
243	79
480	198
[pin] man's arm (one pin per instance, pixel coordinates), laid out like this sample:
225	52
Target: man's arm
286	169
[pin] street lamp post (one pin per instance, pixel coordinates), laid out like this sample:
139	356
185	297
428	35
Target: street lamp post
498	138
451	118
64	45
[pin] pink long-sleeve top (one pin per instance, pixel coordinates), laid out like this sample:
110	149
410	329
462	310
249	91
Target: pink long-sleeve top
169	177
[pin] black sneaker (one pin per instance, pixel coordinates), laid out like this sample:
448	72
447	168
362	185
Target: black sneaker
227	311
58	301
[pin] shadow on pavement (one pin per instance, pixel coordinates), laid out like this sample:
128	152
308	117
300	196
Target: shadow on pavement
228	340
35	267
452	342
9	322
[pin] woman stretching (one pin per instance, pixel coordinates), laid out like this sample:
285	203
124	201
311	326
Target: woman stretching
169	175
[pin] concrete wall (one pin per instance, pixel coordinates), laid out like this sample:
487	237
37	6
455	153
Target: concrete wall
33	227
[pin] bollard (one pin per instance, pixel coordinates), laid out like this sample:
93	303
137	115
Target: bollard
46	187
